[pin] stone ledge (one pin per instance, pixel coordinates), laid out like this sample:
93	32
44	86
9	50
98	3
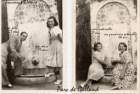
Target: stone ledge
32	80
35	71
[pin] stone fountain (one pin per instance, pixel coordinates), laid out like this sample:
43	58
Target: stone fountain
30	16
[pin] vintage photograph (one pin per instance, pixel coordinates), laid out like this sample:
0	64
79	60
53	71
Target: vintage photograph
32	44
106	44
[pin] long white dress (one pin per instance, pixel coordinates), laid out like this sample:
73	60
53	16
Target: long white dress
55	48
96	70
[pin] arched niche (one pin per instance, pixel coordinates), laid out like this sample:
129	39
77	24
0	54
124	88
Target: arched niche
32	11
112	20
31	17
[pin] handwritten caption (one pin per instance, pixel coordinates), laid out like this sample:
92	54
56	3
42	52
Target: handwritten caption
73	89
19	2
120	35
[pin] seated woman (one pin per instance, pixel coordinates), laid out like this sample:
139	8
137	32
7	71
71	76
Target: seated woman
96	71
124	69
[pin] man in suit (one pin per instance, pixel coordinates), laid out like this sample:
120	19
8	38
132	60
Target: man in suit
11	53
16	57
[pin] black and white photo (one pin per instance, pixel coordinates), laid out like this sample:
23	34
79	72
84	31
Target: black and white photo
32	44
106	44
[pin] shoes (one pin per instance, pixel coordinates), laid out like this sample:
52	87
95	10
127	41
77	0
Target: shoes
58	82
8	86
83	85
115	88
49	74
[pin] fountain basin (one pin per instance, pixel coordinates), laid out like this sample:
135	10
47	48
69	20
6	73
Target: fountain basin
35	71
34	79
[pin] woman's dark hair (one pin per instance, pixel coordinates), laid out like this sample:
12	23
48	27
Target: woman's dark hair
124	44
95	45
55	21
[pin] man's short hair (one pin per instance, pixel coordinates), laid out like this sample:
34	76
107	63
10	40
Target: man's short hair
23	33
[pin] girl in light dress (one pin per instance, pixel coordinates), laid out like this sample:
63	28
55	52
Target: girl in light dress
55	44
96	71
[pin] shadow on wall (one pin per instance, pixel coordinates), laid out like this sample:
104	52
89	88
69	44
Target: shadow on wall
5	35
59	7
83	42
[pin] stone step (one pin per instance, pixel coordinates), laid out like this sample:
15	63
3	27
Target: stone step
32	80
106	79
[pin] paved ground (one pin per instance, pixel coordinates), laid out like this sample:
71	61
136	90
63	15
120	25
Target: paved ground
48	86
35	83
51	86
104	86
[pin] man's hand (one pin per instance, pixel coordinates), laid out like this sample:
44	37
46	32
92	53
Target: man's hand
12	64
21	57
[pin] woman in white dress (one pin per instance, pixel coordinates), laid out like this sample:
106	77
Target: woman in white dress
96	71
55	44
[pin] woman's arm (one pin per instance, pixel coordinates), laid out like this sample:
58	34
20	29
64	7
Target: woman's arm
99	59
60	37
59	34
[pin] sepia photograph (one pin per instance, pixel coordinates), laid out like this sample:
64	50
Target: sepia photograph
106	44
98	53
32	44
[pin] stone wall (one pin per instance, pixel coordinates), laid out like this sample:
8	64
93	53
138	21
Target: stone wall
114	17
4	22
8	14
92	15
30	16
